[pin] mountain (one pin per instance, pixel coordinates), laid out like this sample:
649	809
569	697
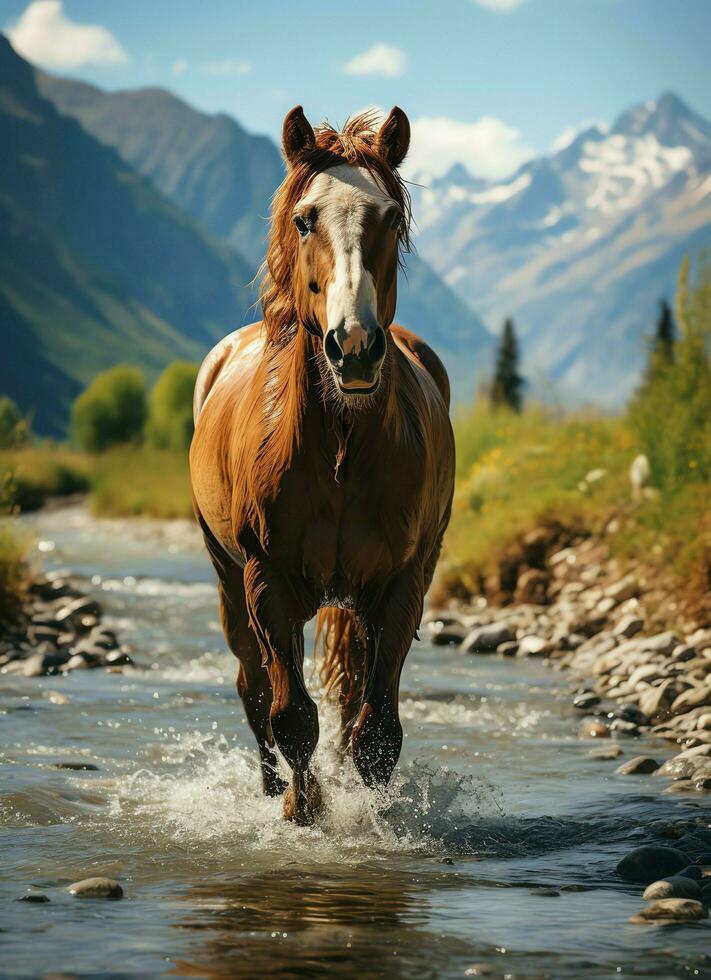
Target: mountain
580	245
225	178
208	165
95	265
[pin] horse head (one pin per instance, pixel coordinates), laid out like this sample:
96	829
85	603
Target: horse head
340	219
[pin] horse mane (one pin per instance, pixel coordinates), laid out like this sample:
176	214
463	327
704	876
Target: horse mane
266	428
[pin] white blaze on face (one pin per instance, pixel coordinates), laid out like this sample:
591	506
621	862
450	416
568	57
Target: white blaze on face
343	197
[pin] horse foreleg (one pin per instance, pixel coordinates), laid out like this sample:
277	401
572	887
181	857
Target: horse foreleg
376	737
293	717
253	683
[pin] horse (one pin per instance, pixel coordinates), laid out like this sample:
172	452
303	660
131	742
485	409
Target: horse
322	463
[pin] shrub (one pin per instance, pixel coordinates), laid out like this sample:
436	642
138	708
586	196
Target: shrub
170	408
13	428
13	573
111	411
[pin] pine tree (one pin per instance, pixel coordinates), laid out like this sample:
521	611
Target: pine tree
665	333
507	385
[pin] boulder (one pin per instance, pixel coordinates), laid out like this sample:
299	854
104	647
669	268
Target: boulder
650	863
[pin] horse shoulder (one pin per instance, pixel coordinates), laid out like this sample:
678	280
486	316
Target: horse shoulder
230	349
417	350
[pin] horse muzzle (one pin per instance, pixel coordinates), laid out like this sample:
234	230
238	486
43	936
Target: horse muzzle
356	354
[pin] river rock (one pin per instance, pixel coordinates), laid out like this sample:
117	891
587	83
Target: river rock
485	639
656	701
56	697
533	646
96	888
650	863
586	700
640	765
625	588
77	608
695	697
672	910
612	751
594	729
630	712
675	887
628	626
693	871
77	766
662	643
34	897
680	786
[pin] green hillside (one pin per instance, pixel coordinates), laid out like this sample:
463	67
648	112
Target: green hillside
95	265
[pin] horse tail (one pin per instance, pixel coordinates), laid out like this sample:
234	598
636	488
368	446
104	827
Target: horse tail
341	668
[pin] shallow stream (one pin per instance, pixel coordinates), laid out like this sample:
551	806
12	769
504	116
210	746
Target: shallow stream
495	803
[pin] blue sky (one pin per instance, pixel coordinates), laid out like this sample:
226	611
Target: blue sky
493	80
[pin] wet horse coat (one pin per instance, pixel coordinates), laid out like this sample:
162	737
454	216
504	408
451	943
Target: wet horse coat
323	459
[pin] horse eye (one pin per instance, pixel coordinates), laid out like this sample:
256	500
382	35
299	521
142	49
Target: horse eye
302	226
397	222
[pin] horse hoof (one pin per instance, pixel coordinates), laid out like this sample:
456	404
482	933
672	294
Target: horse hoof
303	807
274	785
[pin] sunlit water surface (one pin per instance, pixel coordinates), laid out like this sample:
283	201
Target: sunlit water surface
494	799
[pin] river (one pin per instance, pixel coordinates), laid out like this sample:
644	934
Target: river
493	852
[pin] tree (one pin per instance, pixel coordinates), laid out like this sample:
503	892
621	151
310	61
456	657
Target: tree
506	389
112	410
170	407
664	333
13	428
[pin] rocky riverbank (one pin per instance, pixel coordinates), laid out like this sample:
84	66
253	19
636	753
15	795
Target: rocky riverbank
582	614
59	630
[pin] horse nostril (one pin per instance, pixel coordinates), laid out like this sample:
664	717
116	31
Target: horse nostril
332	348
376	345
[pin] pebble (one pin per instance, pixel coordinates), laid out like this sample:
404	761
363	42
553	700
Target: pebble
650	863
96	888
594	729
641	764
56	697
675	887
672	910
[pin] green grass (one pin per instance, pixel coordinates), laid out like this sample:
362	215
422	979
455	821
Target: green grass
142	481
13	573
32	474
519	472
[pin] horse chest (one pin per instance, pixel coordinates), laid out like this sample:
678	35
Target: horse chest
357	530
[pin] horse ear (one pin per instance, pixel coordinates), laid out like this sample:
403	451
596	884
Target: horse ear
393	139
297	136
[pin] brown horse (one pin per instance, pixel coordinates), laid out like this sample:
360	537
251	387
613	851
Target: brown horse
323	458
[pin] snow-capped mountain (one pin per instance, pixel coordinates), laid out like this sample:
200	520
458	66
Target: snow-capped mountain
580	245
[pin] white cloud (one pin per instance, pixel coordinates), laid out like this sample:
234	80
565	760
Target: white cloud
180	66
487	148
45	36
380	59
501	6
232	66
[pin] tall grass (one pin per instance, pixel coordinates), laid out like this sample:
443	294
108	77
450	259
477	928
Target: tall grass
142	481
